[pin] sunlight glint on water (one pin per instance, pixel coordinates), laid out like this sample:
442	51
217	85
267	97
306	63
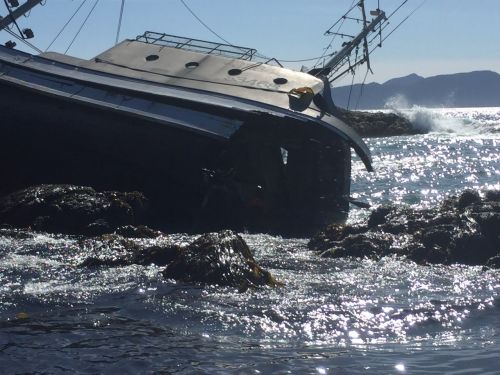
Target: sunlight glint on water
334	315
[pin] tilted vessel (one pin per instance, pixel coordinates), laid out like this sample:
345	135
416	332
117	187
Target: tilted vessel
213	137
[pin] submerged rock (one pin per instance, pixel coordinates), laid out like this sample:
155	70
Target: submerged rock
71	209
464	229
221	258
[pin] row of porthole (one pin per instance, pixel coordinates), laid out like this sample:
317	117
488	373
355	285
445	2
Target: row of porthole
231	72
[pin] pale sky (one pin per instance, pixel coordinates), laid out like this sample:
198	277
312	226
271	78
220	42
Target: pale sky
443	36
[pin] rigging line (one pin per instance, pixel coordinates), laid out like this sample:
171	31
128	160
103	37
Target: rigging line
64	27
13	19
404	20
232	45
120	22
23	40
398	8
361	90
81	27
344	16
350	91
204	24
335	35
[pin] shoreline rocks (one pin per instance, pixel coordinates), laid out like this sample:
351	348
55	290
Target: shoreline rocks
70	209
377	124
463	229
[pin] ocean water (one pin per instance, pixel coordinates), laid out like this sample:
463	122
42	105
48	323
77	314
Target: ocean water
334	316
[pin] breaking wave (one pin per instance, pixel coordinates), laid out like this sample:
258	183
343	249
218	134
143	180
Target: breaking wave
461	121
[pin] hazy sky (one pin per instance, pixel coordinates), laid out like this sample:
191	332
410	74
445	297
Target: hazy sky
443	36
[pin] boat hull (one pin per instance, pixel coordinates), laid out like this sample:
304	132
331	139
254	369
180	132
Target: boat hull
206	162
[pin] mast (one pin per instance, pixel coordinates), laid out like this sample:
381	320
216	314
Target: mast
339	57
15	14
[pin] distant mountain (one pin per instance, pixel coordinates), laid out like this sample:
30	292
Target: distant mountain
474	89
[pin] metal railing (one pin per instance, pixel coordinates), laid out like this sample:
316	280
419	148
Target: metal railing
197	45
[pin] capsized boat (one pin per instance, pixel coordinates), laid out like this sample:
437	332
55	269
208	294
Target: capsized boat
214	138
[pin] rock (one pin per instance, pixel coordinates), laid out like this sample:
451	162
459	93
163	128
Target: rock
140	231
467	198
464	229
493	262
221	258
377	216
71	209
377	124
113	250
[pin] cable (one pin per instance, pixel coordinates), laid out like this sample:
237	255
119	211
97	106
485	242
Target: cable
12	17
350	90
23	40
64	27
404	20
335	34
81	27
120	22
232	45
361	90
204	24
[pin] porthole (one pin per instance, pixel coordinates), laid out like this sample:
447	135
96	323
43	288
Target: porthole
280	81
152	57
192	65
234	72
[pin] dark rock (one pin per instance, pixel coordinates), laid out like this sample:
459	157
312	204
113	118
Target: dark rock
332	234
467	198
473	248
464	229
377	124
113	250
71	209
493	262
378	216
140	231
221	258
158	255
493	195
489	222
441	236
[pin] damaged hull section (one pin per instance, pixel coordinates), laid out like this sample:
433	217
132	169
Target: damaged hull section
206	161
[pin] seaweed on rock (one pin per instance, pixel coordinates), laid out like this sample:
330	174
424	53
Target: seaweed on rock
463	229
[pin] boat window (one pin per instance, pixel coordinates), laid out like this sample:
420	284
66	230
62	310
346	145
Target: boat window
234	72
192	65
152	57
280	81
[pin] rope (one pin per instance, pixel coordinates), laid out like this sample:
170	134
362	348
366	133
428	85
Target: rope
64	27
120	22
81	27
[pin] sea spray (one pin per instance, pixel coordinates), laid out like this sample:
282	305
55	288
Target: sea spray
460	121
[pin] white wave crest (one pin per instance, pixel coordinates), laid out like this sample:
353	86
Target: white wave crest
461	121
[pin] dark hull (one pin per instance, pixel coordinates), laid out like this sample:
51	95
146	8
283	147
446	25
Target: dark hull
203	165
50	141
